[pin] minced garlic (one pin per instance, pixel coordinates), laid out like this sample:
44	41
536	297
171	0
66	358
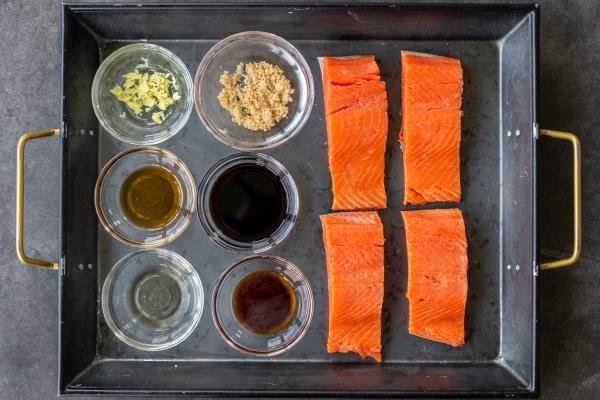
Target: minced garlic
256	95
147	91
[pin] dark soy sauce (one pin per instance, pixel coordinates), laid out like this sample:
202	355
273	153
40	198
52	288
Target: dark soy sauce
264	302
248	202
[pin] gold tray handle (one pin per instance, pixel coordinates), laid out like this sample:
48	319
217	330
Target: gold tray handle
21	194
565	262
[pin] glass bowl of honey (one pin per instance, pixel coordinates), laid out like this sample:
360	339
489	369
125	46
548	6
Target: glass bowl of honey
152	299
262	305
145	197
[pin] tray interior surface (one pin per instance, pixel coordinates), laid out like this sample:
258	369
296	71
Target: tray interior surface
204	363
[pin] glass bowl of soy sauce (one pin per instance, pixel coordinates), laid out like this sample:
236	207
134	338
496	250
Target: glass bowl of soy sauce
145	197
262	305
248	203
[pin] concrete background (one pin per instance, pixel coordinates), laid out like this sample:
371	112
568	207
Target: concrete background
569	317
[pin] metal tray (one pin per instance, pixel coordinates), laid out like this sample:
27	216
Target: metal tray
498	48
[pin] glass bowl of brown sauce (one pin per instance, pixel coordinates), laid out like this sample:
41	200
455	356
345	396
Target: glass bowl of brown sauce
262	305
248	202
145	197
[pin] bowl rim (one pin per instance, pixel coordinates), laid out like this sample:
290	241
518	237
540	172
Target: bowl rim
110	278
100	211
125	50
208	58
305	324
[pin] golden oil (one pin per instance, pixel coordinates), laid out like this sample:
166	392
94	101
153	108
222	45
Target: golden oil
151	197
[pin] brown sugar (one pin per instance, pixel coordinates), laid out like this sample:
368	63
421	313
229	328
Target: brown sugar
256	95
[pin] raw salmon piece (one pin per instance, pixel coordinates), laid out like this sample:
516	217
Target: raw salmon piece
343	96
431	69
349	70
355	323
431	124
361	230
436	245
433	97
357	124
355	271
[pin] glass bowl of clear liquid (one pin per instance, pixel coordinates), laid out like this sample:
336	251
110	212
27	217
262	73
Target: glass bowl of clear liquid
152	299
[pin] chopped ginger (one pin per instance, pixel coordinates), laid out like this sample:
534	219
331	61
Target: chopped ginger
158	117
148	91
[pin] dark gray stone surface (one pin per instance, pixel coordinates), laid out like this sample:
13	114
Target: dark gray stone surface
569	317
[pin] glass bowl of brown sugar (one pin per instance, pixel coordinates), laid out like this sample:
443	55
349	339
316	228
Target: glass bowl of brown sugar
253	91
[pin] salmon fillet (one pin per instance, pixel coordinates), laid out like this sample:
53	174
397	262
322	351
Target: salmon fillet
436	245
357	125
354	253
431	112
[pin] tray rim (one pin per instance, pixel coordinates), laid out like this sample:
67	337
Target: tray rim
70	7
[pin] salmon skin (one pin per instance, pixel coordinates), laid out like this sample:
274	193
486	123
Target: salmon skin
431	122
436	245
357	125
355	269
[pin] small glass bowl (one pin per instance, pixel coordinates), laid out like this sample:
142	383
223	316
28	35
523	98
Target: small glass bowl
107	196
118	119
221	238
244	340
248	47
152	299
